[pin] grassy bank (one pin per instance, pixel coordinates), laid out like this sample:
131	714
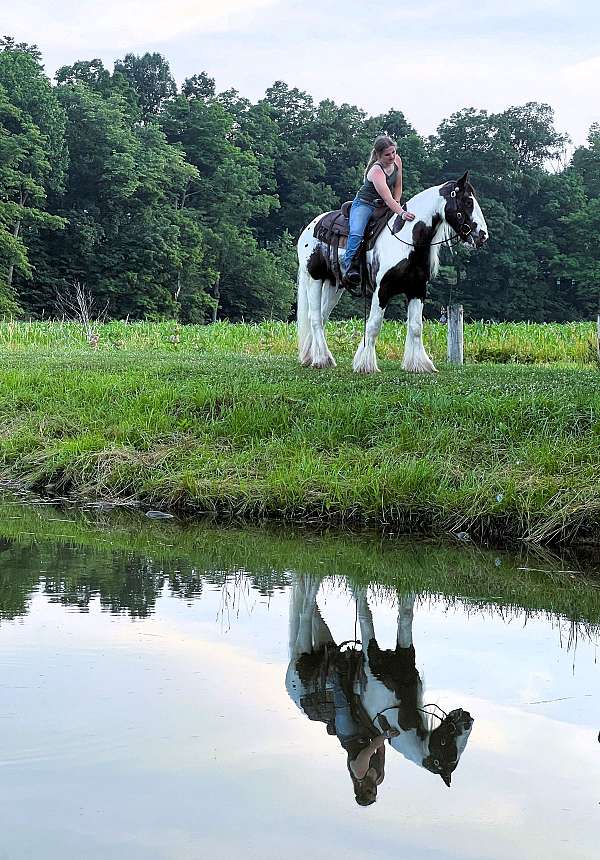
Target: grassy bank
507	451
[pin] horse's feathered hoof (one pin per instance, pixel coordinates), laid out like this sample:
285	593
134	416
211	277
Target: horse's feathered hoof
421	367
323	363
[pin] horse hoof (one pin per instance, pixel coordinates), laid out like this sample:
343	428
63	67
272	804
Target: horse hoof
324	364
422	368
366	370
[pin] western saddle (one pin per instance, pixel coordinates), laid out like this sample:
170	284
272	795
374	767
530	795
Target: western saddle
333	228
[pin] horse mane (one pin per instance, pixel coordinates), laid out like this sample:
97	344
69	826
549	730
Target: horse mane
442	237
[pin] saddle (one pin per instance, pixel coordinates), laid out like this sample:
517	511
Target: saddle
333	228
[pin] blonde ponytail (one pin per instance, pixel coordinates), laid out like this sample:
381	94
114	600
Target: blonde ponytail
382	142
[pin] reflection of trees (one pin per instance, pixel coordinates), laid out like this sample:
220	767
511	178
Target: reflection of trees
123	582
125	562
19	577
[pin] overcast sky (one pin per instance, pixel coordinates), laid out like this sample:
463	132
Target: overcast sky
426	58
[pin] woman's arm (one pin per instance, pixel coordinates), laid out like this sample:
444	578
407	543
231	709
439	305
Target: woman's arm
361	763
377	177
398	186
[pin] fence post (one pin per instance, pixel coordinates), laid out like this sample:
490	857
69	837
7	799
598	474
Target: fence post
455	334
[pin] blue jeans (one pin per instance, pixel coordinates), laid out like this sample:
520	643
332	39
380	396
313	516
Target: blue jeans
359	216
346	727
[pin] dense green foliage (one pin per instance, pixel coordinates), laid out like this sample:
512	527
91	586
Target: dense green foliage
183	203
224	425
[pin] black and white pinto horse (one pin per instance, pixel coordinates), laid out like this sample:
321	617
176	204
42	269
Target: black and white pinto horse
388	686
404	258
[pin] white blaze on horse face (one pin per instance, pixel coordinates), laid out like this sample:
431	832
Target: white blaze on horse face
479	220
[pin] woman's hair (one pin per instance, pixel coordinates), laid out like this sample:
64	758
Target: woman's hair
365	790
380	143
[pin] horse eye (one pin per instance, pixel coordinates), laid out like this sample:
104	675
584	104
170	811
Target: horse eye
436	762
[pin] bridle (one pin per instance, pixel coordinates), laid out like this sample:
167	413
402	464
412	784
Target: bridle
422	710
464	231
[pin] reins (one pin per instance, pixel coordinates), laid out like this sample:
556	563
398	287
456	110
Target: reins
423	711
448	241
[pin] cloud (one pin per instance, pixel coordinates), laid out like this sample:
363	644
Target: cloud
123	24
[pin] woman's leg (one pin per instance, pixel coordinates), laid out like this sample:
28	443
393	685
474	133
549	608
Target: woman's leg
360	212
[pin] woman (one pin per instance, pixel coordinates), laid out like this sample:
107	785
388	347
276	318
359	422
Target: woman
382	184
363	743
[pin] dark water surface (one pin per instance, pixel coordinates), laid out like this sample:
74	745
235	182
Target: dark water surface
147	699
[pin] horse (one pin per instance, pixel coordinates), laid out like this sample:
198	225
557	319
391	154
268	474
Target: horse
403	259
383	687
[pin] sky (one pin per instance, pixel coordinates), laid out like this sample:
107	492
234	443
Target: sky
427	58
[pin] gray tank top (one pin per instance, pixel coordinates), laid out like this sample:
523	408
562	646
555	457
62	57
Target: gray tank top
370	194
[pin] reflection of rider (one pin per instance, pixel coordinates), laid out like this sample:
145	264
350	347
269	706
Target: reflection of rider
382	184
363	744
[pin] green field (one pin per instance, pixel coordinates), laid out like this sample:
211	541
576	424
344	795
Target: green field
521	343
222	419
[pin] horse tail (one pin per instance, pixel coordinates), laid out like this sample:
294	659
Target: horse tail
302	312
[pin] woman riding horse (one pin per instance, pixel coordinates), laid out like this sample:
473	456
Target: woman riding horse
382	184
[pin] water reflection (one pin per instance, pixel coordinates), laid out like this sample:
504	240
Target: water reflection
145	714
366	695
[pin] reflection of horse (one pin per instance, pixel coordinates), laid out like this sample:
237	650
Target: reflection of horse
403	259
380	689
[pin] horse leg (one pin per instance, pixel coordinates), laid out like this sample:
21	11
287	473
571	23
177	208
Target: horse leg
306	607
303	317
365	617
296	602
365	358
405	620
415	357
320	629
302	603
320	355
329	299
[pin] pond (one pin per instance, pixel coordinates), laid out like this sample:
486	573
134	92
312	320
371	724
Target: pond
175	691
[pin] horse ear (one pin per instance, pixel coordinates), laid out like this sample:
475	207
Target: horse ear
463	180
447	778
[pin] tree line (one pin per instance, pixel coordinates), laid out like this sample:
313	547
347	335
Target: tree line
184	203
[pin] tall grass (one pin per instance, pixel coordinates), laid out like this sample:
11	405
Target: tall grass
523	342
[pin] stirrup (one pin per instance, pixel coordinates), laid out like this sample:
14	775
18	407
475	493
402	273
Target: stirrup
352	277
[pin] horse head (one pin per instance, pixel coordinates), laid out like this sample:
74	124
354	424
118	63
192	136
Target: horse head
463	213
447	743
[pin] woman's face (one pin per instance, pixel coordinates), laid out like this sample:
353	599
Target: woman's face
387	156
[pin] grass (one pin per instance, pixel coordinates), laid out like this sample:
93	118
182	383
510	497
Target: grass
224	421
128	561
521	343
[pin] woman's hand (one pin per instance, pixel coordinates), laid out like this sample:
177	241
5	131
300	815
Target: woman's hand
407	216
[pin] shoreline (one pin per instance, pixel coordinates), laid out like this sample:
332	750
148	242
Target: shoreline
503	453
531	578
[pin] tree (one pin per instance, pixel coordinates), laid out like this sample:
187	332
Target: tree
127	238
151	79
32	159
